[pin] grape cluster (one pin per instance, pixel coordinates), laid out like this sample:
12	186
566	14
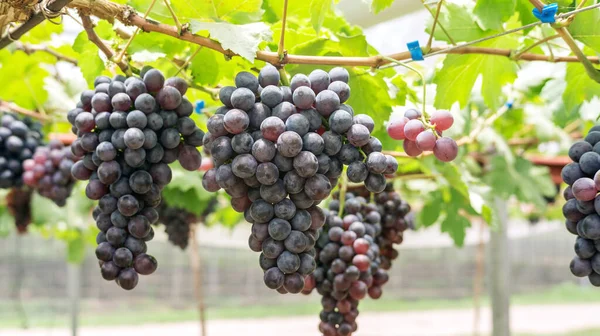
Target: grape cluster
348	264
395	219
177	221
278	151
128	131
18	202
582	208
422	135
18	141
49	171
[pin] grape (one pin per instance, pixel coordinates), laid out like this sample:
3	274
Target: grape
286	209
244	165
376	163
426	140
584	189
263	150
145	264
289	144
412	114
271	96
297	123
349	154
274	278
571	173
339	74
283	110
584	248
267	173
236	121
340	121
257	114
593	137
413	128
358	135
154	80
271	128
375	183
446	149
247	80
178	83
303	97
327	102
299	80
268	76
242	143
225	95
395	128
313	117
318	187
169	98
109	172
293	182
580	267
313	143
306	164
341	89
319	80
442	120
185	109
135	88
590	162
332	142
274	193
243	99
144	102
101	102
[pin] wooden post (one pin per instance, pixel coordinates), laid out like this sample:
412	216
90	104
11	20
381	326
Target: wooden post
478	278
499	271
74	289
196	263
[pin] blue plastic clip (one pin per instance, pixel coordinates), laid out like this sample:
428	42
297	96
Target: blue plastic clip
415	50
509	104
548	13
199	106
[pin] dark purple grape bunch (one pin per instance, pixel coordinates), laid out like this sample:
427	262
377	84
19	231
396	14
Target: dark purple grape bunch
128	131
582	208
177	221
19	139
49	171
278	151
348	264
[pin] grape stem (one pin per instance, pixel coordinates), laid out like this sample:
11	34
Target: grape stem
88	26
177	23
122	53
281	49
436	22
424	114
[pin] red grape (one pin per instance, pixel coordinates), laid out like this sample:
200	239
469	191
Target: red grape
358	290
412	114
442	119
445	149
362	262
426	140
410	147
584	189
361	246
348	237
375	292
413	128
395	128
28	164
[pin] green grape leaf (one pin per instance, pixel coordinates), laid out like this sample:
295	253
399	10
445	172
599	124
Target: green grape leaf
185	191
89	61
458	22
370	96
524	8
456	79
478	204
318	11
456	226
76	249
379	5
240	11
241	39
454	178
491	14
157	43
586	29
23	80
206	68
579	87
431	210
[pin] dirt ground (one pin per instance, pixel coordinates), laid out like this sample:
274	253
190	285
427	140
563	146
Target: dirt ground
543	319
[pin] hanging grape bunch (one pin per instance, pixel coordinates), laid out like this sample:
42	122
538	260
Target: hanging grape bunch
18	141
49	171
18	202
424	133
347	264
128	131
278	151
582	207
177	221
395	218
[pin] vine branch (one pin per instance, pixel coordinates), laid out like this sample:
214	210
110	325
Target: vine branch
31	48
52	6
4	105
107	10
88	26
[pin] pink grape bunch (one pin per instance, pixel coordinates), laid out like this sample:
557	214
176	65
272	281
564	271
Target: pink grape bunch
348	264
582	208
422	135
49	171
